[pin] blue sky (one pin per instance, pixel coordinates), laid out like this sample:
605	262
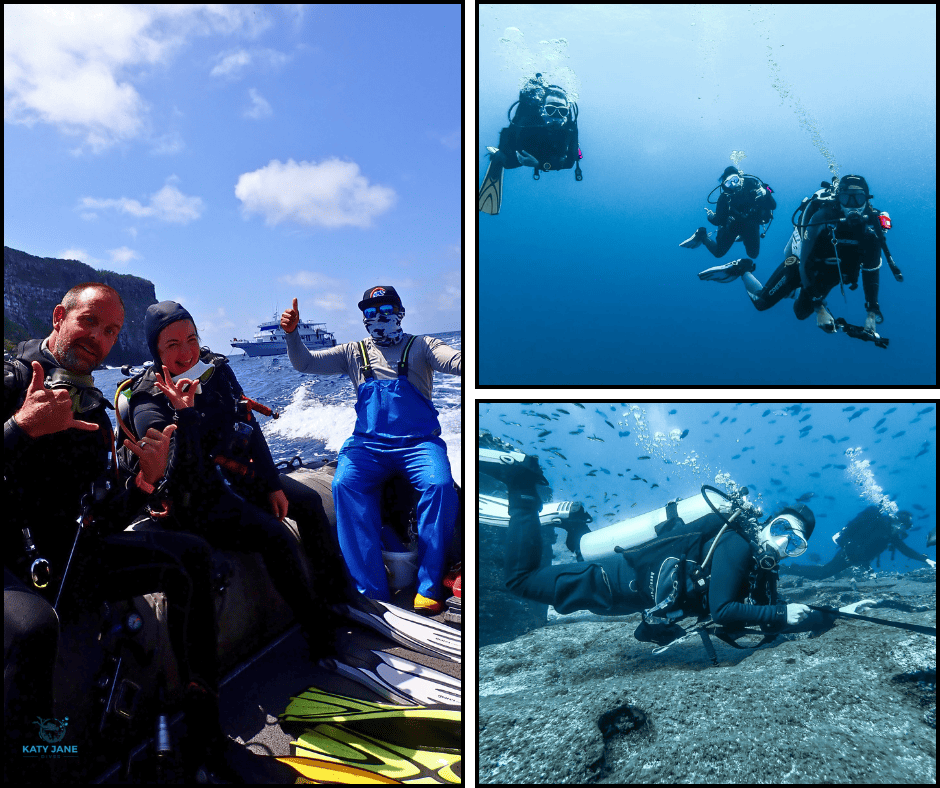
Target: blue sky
242	155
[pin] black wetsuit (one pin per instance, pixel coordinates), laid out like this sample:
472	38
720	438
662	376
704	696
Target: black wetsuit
622	584
857	249
45	479
237	515
555	147
740	214
863	540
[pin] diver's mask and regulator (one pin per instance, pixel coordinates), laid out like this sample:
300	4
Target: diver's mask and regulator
852	194
782	537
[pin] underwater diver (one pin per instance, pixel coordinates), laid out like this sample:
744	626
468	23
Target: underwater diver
543	134
636	580
58	444
744	205
838	236
869	533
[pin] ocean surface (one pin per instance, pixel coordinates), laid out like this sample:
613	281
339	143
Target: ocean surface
588	278
838	458
317	412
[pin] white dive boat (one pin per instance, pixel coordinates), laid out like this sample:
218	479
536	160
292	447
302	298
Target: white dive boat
270	339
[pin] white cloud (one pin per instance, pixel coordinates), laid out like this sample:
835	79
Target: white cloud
449	298
259	107
169	204
77	254
232	63
308	279
329	194
235	63
215	321
330	301
74	66
168	144
123	255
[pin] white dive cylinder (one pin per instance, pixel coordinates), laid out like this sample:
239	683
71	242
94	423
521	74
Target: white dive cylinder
642	528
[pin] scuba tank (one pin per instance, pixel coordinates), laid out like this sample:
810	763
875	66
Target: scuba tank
643	528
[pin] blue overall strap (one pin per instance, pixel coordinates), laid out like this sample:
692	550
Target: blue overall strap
403	363
367	371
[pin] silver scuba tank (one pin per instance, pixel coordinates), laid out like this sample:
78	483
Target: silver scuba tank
642	528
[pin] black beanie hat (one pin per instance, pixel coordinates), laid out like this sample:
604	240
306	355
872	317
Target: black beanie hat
158	317
806	515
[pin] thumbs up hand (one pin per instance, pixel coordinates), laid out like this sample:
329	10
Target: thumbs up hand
290	318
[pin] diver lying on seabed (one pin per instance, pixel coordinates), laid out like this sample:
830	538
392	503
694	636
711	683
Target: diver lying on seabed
867	535
729	571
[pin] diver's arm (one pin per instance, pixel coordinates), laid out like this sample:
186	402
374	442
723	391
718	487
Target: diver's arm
720	216
904	550
507	148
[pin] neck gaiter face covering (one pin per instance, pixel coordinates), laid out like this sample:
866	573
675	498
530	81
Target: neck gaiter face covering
385	330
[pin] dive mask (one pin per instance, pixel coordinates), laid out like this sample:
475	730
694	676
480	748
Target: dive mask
555	114
733	183
81	389
852	200
785	534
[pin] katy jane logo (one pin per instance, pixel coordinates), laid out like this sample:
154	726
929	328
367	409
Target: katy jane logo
51	730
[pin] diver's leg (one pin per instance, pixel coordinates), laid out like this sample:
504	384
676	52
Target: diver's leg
839	563
357	488
428	470
603	587
725	238
782	282
750	235
710	245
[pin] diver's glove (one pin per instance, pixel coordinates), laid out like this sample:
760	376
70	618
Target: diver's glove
527	159
710	215
824	319
874	317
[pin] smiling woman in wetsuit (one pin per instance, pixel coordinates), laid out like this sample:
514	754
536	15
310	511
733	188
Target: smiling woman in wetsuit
224	486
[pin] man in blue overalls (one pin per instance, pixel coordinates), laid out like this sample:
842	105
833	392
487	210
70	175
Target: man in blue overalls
397	432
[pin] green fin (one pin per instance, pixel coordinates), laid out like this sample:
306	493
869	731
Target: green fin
403	725
491	193
407	764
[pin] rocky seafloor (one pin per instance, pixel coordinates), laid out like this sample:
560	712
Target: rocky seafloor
580	700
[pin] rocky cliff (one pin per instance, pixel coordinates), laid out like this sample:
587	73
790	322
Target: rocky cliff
32	286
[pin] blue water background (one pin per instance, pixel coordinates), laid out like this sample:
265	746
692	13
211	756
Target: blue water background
765	447
317	412
587	278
